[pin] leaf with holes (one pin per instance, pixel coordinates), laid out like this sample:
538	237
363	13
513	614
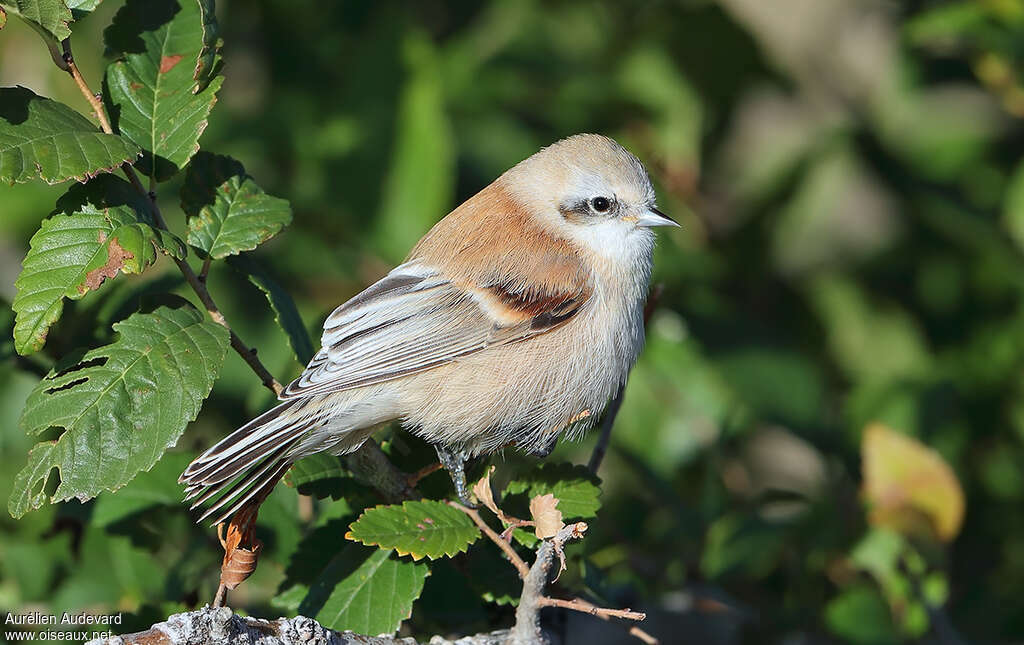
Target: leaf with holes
421	528
367	591
150	90
228	213
575	487
120	407
71	255
44	139
285	312
49	17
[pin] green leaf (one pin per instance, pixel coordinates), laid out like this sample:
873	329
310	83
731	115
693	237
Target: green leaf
860	615
228	213
370	592
314	469
575	487
82	8
421	180
150	90
120	407
421	528
51	16
72	255
209	63
285	312
44	139
158	487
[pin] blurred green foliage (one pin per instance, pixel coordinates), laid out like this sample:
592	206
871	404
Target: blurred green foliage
848	175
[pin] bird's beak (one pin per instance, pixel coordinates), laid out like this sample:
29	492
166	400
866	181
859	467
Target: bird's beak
653	217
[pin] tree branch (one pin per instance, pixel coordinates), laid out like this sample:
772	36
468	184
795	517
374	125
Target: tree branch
210	626
513	557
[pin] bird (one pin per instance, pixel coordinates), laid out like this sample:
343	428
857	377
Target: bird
513	321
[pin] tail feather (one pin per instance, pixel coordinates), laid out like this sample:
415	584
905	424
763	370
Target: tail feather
260	431
247	463
259	480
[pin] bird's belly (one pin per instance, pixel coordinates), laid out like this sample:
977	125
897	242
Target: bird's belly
524	393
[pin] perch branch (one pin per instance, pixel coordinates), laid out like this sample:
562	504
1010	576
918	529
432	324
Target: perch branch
212	626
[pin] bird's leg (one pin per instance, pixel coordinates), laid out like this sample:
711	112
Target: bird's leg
455	463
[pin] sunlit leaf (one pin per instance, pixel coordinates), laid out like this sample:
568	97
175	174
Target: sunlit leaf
150	89
368	591
120	407
903	479
228	213
50	16
44	139
421	529
72	255
575	487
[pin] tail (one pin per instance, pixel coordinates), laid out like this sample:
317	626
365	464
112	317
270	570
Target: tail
248	462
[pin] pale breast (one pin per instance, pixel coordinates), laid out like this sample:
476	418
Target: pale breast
526	392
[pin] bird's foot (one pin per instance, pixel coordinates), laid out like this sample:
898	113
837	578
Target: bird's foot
454	462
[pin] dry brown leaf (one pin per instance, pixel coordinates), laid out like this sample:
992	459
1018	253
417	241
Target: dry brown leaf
546	516
905	480
241	549
482	490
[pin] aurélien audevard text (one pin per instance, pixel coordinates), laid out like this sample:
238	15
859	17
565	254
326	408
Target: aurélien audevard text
33	619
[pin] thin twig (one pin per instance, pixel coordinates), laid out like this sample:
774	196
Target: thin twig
414	478
222	594
94	101
205	270
513	557
607	422
578	604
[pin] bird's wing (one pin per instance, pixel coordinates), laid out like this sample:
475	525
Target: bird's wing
415	319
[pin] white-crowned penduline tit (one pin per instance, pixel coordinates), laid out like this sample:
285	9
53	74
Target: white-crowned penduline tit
513	320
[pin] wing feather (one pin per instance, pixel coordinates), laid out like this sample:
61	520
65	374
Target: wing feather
414	320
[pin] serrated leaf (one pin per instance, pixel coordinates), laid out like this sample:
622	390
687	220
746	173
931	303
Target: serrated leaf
149	90
227	212
370	592
285	312
71	255
575	487
120	407
51	16
418	528
44	139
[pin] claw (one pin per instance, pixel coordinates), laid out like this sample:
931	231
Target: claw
455	463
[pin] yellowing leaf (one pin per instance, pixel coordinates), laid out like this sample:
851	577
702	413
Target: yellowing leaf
904	479
546	516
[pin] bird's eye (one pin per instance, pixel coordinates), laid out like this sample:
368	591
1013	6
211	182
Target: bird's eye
601	204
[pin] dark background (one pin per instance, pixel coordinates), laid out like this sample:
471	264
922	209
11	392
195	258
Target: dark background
846	176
